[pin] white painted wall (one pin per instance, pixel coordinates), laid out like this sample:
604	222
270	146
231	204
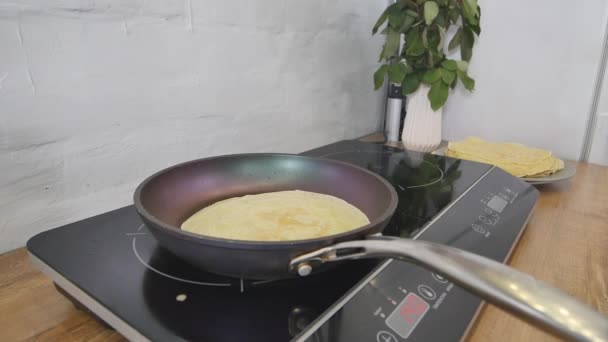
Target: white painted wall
535	65
97	94
599	147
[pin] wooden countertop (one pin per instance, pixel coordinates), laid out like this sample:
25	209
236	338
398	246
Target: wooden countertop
565	244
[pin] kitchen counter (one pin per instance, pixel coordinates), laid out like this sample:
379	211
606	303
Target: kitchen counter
565	244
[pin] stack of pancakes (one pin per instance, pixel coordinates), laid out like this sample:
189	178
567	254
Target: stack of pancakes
517	159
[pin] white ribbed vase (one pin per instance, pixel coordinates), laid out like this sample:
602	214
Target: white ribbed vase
422	127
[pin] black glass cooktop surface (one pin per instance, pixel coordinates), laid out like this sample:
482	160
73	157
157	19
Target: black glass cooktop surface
114	267
425	182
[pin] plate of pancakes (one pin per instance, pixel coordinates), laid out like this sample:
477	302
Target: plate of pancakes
533	165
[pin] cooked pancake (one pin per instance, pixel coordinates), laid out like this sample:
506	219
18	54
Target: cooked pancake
276	216
517	159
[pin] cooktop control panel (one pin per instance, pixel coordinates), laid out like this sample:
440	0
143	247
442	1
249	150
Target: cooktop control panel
401	302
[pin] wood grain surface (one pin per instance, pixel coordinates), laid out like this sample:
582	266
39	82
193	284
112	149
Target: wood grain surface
565	244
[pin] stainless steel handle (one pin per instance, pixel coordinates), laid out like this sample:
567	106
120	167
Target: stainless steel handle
501	285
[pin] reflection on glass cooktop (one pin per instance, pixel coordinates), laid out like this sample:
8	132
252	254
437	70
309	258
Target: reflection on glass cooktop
425	183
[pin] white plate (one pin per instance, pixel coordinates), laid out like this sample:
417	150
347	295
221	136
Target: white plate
567	172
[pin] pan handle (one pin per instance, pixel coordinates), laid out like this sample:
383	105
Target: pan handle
498	284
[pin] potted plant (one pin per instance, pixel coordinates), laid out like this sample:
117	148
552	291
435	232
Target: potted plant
421	66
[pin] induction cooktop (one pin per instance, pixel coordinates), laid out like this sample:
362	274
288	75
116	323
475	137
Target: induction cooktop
112	267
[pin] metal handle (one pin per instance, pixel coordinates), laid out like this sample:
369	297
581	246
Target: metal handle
501	285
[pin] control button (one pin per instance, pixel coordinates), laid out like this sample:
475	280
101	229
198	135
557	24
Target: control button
439	278
486	220
385	336
426	292
478	228
492	213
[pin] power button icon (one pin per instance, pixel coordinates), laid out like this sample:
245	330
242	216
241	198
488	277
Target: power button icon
426	292
385	336
439	278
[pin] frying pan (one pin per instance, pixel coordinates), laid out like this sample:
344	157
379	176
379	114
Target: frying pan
169	197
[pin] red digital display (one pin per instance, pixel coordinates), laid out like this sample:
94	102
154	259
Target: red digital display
407	315
412	309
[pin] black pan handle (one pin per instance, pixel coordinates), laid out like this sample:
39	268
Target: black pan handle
499	284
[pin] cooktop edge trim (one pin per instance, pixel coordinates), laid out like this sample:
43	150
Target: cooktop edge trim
483	303
102	312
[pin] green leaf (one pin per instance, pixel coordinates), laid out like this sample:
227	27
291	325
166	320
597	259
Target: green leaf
397	72
420	64
414	46
437	58
441	38
410	83
438	95
430	11
394	17
471	6
466	45
448	76
411	13
468	82
392	44
470	11
462	65
476	29
382	18
379	76
431	38
408	3
454	15
442	2
425	40
407	23
431	76
449	64
441	19
455	42
429	58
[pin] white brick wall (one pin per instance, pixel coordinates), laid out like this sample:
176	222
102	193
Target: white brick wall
96	95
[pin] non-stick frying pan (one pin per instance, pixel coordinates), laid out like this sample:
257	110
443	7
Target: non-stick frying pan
169	197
